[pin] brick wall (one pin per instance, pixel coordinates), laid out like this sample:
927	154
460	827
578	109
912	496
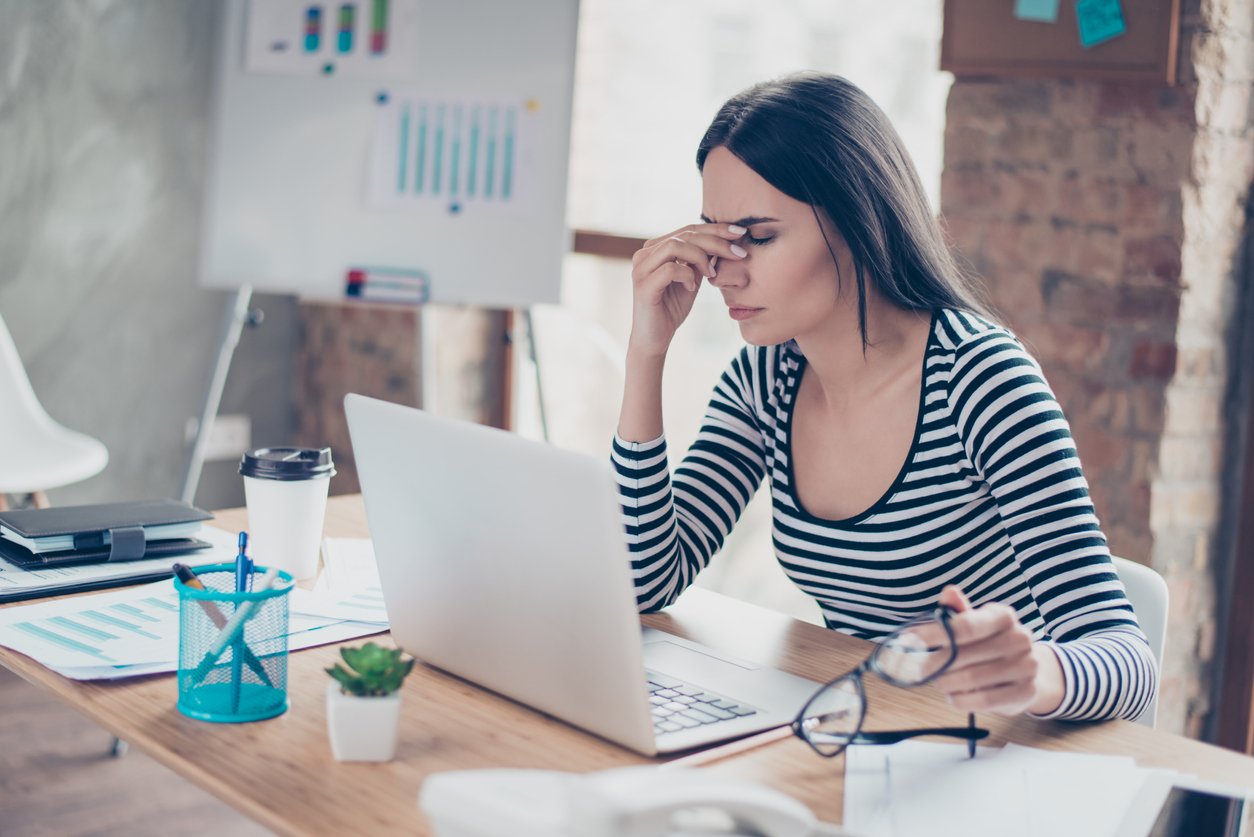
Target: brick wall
1106	220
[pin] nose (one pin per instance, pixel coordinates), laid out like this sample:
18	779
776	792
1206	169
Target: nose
732	273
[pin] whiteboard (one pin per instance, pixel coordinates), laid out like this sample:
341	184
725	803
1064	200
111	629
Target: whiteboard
307	138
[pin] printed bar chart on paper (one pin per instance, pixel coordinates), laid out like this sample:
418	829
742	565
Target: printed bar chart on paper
343	38
364	604
125	627
135	631
452	153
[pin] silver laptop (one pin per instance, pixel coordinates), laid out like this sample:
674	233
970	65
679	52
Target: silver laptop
504	561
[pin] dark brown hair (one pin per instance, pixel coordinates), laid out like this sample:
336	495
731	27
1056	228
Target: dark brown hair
819	139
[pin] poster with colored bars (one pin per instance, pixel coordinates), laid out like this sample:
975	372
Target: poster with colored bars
361	39
454	154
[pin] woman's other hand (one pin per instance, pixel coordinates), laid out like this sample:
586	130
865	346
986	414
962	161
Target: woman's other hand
666	274
998	668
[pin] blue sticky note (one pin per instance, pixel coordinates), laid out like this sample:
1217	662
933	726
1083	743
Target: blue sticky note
1100	20
1045	11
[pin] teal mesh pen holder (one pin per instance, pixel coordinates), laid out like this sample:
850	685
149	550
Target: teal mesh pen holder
232	647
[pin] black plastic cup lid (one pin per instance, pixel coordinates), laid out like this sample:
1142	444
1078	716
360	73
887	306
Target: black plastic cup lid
287	463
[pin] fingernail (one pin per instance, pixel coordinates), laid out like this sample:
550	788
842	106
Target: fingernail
737	229
712	272
739	251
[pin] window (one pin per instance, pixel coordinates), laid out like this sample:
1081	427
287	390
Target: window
649	77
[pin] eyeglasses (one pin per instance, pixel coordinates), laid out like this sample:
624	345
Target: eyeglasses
913	655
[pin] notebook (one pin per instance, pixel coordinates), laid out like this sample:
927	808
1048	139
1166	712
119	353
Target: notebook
85	534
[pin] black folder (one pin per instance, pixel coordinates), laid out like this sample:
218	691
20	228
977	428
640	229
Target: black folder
127	526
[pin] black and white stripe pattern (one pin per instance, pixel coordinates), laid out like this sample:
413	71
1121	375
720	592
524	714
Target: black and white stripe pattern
991	498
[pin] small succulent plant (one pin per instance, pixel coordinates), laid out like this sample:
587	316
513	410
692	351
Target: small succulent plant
373	671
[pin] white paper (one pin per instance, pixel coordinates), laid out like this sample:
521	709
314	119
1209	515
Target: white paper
137	626
363	604
348	563
459	154
123	627
326	632
1098	788
303	37
920	787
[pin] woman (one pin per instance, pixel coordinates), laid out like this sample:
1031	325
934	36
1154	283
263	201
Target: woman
915	453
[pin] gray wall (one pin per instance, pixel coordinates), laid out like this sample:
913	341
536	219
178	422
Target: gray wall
103	111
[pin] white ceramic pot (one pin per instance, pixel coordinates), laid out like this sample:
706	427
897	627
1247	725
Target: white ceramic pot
362	728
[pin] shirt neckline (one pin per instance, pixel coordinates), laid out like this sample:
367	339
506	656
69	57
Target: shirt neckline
790	393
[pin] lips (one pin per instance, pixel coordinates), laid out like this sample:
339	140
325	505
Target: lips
741	313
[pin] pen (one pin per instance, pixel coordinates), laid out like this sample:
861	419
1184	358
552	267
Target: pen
242	568
211	610
233	628
242	576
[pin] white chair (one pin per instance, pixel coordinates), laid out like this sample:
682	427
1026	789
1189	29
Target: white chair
1147	592
36	453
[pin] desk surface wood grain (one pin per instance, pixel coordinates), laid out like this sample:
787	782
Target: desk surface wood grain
280	772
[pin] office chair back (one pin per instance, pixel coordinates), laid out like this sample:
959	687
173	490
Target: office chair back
1147	592
37	453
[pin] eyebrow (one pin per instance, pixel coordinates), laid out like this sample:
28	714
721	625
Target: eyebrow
743	222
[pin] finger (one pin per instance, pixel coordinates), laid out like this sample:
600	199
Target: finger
731	232
990	674
1011	644
676	249
953	598
716	245
1009	699
668	275
985	621
712	246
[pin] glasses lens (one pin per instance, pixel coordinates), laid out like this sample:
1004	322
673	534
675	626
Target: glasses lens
833	716
915	654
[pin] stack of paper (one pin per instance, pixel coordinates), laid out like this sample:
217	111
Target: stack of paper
924	788
349	585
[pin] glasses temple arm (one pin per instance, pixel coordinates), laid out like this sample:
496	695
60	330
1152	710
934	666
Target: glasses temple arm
893	736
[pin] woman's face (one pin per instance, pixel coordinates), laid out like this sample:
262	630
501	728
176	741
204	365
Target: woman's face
787	285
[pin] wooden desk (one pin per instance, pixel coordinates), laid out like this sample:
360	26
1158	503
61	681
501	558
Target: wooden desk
281	773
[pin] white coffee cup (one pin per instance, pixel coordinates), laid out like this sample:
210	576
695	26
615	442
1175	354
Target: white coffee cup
285	490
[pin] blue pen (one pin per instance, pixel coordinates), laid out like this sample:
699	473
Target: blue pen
243	575
242	568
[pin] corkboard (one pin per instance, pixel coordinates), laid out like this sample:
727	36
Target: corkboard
983	37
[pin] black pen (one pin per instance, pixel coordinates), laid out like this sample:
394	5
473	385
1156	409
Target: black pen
189	578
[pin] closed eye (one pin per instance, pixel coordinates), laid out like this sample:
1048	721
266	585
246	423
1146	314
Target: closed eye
757	242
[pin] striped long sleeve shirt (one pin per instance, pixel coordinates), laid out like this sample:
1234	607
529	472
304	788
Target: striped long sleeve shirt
990	498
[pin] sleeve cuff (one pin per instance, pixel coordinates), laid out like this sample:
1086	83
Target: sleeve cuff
637	450
1068	685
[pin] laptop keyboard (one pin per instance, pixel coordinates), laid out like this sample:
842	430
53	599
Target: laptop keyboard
677	705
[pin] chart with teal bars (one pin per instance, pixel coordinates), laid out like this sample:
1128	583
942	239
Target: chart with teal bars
135	631
123	627
458	155
373	39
